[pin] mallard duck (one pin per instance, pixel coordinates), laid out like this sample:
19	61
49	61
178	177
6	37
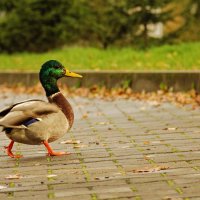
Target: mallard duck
38	122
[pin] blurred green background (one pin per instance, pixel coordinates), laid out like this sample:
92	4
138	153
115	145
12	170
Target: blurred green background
100	35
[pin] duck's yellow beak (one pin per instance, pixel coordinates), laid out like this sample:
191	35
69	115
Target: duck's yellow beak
72	74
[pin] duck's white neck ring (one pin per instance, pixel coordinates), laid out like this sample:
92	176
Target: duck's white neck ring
54	95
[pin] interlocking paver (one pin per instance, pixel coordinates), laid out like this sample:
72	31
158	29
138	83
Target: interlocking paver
117	137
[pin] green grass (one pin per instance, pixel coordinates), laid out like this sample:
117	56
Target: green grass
176	57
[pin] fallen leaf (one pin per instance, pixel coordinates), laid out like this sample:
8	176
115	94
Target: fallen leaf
101	178
97	143
147	158
71	142
84	116
37	164
2	187
42	152
102	123
146	142
150	169
170	129
79	146
155	98
51	175
15	176
130	118
154	103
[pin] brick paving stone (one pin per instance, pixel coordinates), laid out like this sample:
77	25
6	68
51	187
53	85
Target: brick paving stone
117	137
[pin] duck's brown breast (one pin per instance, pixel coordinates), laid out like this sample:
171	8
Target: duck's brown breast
65	106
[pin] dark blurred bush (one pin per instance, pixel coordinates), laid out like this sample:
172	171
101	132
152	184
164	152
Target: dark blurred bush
34	25
41	25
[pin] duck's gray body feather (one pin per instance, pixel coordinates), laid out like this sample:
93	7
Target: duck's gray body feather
45	127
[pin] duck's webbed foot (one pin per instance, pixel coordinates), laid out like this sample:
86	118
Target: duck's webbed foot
53	153
9	150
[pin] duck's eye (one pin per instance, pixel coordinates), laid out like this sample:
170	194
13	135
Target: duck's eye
57	67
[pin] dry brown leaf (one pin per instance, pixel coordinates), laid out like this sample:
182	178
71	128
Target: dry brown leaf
146	142
85	116
178	98
42	152
170	128
150	169
37	164
102	123
101	178
51	175
154	103
147	158
71	142
14	176
80	146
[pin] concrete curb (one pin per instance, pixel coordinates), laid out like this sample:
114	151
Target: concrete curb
138	81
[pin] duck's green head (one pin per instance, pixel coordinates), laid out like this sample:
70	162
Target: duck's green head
50	72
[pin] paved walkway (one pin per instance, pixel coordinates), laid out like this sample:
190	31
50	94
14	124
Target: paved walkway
128	150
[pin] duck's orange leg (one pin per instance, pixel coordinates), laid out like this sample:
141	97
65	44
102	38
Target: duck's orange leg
53	153
9	150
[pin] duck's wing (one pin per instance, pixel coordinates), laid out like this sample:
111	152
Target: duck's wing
7	109
22	114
